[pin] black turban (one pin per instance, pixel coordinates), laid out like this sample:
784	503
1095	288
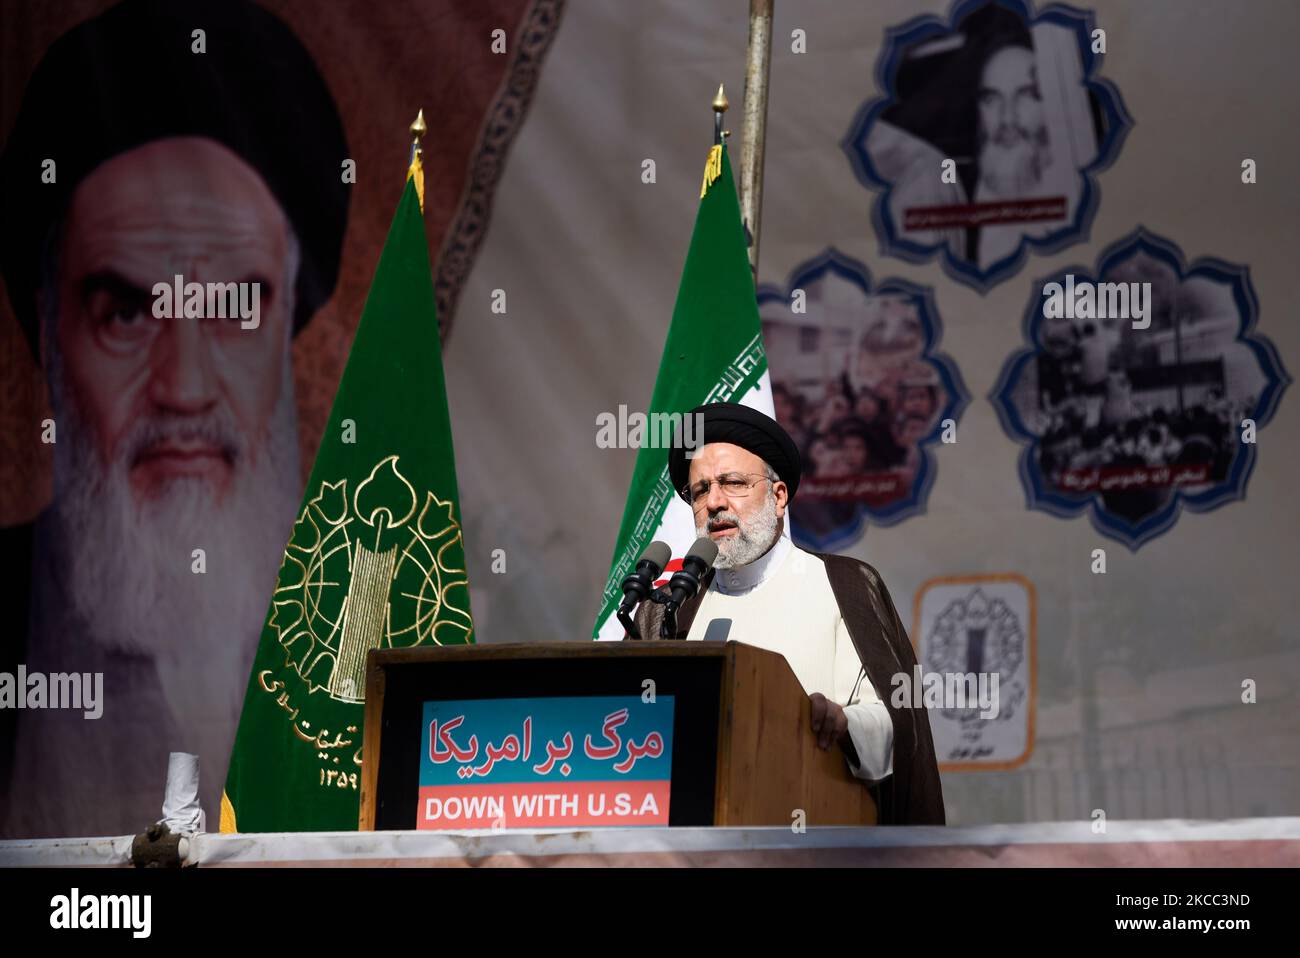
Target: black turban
748	428
129	77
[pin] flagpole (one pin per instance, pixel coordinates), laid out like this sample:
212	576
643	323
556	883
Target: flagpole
754	135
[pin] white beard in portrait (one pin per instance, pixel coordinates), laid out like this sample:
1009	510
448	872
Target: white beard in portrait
127	561
1012	160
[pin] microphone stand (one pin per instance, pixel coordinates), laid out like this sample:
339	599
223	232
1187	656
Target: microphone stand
668	627
660	596
625	619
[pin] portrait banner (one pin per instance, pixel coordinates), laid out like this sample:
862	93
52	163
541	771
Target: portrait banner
1141	390
989	134
860	385
195	198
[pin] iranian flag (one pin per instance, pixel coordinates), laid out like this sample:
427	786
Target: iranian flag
714	353
375	561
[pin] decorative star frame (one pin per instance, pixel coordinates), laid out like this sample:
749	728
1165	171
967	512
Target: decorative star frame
1116	123
1134	534
832	261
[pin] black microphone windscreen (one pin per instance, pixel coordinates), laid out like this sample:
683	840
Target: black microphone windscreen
706	550
659	553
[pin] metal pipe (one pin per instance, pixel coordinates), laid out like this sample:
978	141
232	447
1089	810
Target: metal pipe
754	135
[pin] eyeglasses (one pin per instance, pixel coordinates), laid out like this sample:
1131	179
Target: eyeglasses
733	485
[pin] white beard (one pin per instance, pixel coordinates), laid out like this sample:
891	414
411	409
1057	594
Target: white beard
1013	170
128	565
752	540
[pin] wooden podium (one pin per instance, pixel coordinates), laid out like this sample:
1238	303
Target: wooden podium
743	748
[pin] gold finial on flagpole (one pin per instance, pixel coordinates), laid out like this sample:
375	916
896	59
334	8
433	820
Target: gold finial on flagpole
720	104
416	169
713	166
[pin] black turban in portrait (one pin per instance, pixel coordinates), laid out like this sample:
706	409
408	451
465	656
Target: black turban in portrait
129	77
745	427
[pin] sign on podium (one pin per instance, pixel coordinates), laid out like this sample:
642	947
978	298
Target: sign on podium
595	734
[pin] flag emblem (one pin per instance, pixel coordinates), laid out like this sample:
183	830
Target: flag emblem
365	570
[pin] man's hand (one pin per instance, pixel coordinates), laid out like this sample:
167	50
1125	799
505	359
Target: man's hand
829	723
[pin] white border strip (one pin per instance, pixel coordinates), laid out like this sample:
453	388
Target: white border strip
359	847
66	852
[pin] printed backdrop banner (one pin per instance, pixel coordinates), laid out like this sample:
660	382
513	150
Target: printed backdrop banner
221	141
1161	687
1138	673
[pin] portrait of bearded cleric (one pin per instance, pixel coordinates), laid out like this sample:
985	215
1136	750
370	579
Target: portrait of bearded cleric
985	138
175	455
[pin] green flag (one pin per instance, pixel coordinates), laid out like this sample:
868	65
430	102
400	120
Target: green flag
375	559
714	353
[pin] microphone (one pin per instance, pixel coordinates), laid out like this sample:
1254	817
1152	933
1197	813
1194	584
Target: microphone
637	586
684	584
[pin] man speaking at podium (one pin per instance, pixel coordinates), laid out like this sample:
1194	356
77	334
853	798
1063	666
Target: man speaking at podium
830	616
